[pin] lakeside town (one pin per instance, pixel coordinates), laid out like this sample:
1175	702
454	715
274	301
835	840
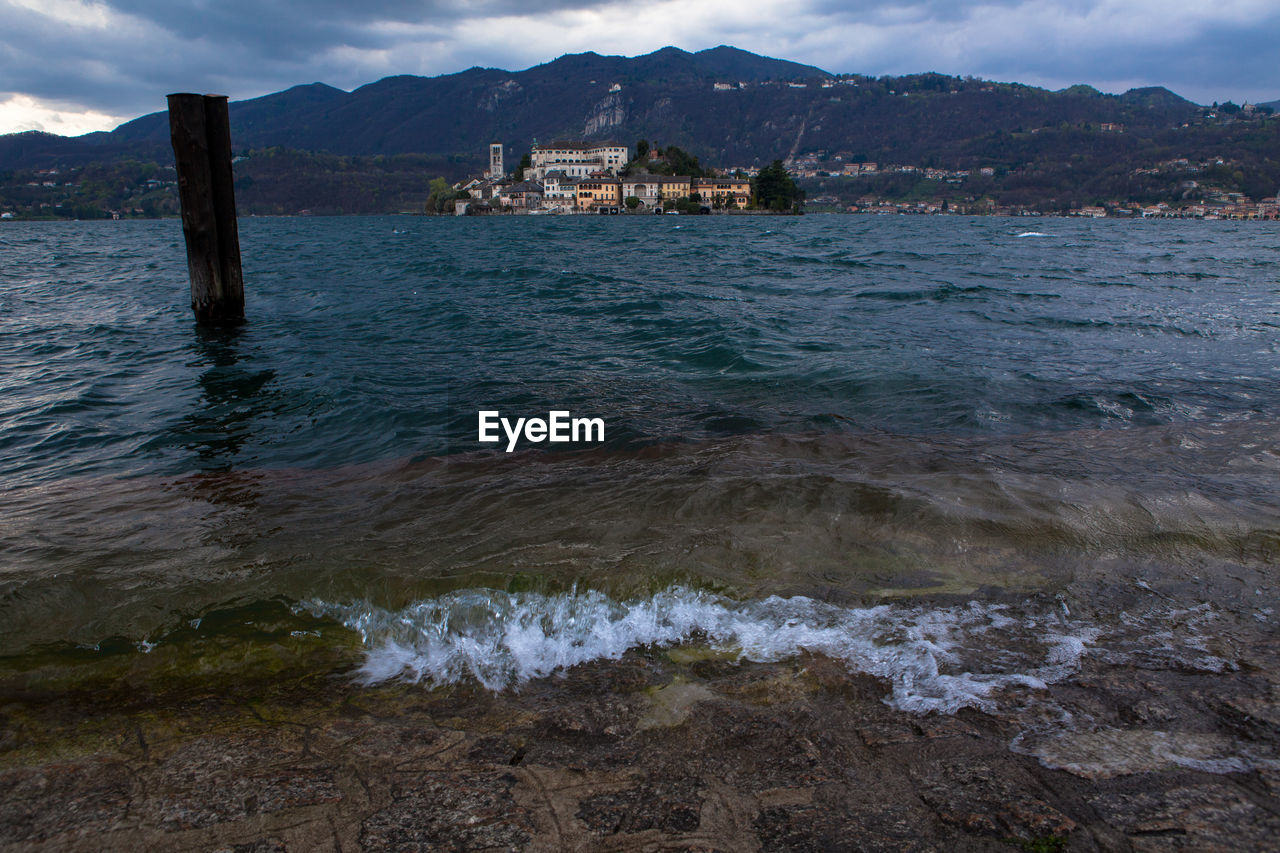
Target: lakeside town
1202	199
1219	208
575	177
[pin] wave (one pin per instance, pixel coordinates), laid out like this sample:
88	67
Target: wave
935	659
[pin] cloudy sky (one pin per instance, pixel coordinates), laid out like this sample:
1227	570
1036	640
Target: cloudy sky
71	66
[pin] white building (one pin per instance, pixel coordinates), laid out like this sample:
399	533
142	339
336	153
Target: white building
559	188
647	188
576	159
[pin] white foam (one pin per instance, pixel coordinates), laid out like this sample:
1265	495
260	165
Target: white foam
1032	234
938	659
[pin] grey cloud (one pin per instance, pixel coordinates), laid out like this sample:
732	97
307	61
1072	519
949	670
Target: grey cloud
241	47
296	25
1197	58
248	48
67	65
940	11
1217	63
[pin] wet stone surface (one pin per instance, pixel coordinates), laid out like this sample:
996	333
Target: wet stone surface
985	799
37	803
1194	817
223	800
823	828
449	812
669	805
649	753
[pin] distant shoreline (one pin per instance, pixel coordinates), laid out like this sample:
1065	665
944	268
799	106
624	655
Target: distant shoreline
768	213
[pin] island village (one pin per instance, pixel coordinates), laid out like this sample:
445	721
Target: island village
566	177
575	177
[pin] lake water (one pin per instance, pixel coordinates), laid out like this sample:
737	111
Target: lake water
957	453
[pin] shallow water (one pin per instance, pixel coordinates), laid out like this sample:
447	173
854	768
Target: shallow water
834	433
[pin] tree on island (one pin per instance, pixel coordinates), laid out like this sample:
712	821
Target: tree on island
665	161
442	197
774	189
677	161
686	205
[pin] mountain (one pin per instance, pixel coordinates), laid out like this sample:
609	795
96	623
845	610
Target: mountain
771	108
1154	97
452	113
371	149
461	113
251	118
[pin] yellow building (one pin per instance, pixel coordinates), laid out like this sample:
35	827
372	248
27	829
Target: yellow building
596	192
734	192
673	187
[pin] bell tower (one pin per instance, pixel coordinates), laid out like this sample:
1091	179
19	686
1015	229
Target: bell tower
495	161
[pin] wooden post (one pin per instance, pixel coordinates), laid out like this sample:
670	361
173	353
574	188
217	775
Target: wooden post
201	133
217	124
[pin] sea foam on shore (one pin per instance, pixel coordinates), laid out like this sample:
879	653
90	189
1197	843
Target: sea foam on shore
935	659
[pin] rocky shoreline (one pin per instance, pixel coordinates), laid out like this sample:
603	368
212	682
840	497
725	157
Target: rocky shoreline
662	750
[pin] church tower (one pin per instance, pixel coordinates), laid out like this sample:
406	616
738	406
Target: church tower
495	161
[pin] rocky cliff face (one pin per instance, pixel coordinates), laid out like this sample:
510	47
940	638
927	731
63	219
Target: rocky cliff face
498	94
608	113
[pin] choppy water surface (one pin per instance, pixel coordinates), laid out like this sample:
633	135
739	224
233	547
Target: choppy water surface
953	453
